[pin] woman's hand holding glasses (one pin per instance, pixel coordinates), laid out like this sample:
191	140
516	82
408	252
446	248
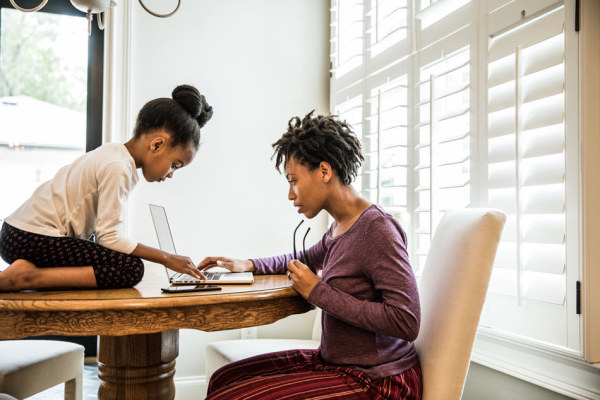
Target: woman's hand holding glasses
303	279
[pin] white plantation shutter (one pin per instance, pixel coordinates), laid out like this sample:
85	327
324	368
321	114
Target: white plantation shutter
347	64
432	11
346	36
442	147
385	142
373	98
458	104
351	111
385	171
396	172
388	26
526	172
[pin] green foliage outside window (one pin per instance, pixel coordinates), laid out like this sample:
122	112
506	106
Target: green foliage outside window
30	65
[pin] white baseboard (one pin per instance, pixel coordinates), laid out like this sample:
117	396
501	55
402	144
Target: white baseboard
190	387
558	370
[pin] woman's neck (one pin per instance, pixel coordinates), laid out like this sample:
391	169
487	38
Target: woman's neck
345	207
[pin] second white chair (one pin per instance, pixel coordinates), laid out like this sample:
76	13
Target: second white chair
28	367
224	352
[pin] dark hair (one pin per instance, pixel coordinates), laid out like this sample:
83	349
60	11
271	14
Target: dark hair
182	116
323	138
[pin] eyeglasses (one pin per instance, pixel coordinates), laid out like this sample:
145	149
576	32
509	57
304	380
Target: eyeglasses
304	256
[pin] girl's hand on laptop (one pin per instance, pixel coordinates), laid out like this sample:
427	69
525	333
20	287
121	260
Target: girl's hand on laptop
172	261
232	264
184	265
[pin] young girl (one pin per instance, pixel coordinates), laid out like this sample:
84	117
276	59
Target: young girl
47	236
368	293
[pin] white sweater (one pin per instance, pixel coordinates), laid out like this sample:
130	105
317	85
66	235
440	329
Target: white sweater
85	197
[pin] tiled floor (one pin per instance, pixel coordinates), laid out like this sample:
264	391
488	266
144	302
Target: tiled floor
90	386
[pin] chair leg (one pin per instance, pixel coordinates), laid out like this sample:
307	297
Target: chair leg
74	389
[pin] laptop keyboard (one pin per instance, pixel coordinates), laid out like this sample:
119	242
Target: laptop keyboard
211	276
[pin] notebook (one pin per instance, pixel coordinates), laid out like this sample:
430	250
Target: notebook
165	242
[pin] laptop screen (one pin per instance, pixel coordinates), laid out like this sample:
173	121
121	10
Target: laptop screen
161	226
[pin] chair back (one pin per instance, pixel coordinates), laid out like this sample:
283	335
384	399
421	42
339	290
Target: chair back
316	332
453	288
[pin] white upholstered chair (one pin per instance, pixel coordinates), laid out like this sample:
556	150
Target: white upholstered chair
28	367
452	288
224	352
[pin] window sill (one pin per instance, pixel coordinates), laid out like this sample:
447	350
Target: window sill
551	367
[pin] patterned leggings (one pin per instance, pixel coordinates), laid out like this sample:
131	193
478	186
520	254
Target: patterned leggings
111	268
301	374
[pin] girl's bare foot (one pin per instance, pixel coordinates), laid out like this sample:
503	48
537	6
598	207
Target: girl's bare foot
18	276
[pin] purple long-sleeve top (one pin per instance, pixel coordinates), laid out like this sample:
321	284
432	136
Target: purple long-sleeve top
368	294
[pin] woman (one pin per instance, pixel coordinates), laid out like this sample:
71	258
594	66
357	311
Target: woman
367	291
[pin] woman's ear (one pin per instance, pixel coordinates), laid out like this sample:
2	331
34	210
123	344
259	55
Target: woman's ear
325	171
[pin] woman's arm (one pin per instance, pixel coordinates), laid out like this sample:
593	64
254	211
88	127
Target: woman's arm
232	264
267	265
393	308
278	264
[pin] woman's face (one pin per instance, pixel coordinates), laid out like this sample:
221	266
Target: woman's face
307	188
164	160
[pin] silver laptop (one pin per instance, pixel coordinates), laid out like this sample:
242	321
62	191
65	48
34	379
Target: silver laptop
165	242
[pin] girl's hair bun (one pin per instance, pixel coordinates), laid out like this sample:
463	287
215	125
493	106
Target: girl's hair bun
193	102
205	114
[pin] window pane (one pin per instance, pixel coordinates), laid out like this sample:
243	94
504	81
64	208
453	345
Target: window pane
43	94
527	176
351	111
388	24
347	31
442	150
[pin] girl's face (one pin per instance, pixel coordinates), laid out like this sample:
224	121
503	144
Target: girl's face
307	188
163	160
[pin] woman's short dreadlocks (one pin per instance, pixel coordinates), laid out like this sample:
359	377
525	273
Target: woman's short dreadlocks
323	138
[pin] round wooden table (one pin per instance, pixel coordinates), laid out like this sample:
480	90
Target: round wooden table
139	327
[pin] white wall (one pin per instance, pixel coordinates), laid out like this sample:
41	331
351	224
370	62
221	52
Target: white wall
258	62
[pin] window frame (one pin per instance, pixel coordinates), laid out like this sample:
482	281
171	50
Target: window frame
589	36
95	73
94	111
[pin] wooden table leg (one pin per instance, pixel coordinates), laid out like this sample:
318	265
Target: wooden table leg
138	367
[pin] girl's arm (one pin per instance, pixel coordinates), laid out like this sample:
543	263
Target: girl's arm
114	185
172	261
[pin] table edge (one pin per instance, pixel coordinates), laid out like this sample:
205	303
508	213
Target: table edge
123	304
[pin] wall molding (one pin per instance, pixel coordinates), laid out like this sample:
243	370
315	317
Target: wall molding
117	72
190	387
554	368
